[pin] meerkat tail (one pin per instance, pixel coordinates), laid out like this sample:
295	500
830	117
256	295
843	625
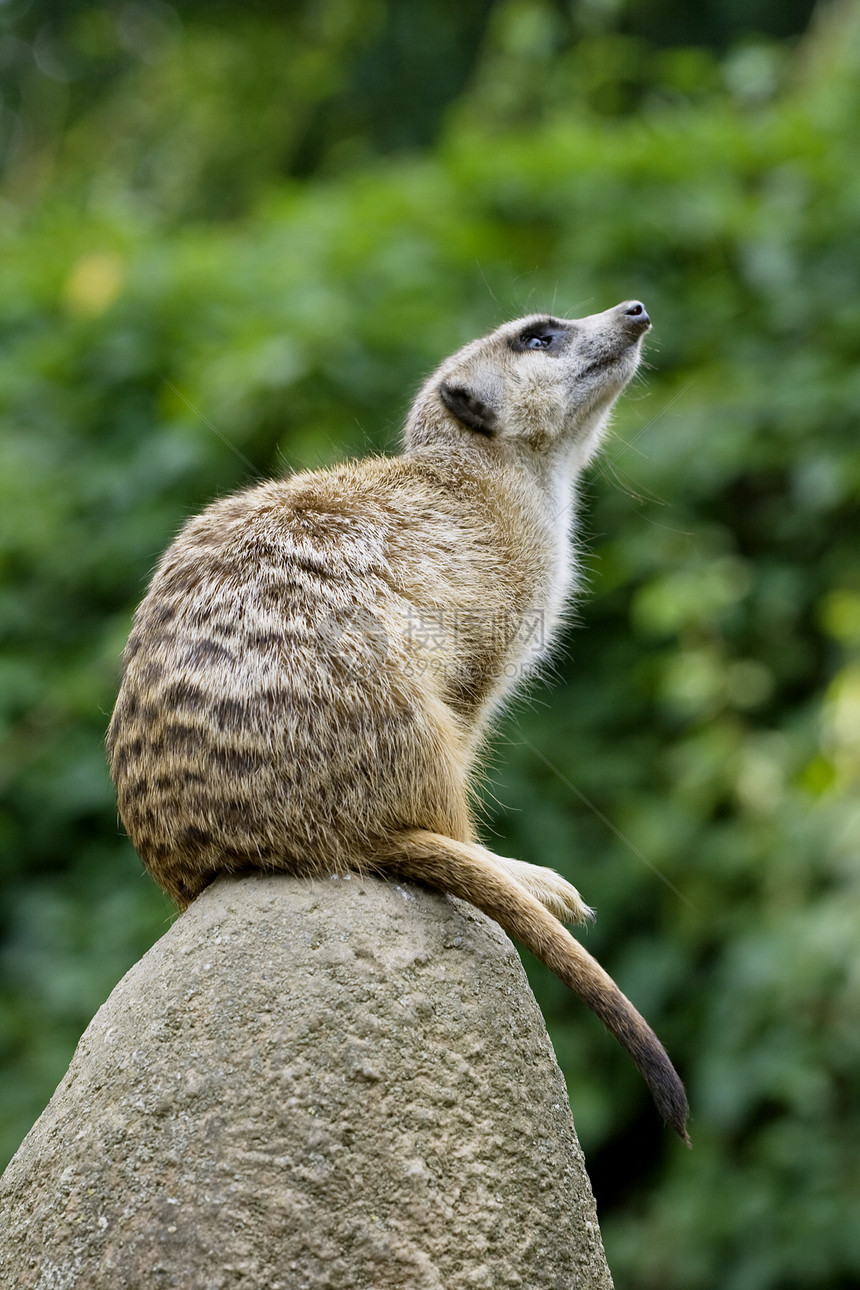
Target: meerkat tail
468	872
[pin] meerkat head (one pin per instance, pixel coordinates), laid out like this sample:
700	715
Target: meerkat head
545	383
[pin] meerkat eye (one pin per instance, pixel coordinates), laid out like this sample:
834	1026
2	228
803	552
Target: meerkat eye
543	336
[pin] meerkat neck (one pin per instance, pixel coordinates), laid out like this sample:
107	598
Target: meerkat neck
545	481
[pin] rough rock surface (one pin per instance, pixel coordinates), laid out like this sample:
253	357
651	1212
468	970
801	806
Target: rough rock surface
339	1085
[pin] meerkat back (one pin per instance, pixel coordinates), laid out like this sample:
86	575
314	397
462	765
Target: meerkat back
312	671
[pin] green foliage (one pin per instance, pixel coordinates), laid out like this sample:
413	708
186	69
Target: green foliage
694	768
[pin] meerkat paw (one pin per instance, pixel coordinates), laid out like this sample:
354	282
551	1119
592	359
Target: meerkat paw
558	895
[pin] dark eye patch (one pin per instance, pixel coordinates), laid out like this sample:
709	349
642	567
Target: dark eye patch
548	336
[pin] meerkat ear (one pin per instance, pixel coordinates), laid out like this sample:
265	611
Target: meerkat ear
467	405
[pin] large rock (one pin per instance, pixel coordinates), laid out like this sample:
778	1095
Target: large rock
332	1085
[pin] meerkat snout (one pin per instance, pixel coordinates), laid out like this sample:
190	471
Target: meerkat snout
636	310
311	675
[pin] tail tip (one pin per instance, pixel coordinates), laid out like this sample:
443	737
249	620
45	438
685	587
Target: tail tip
674	1108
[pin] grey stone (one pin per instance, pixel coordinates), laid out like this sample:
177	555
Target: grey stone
329	1085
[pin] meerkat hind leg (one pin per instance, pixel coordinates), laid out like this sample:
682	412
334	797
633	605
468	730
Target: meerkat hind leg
558	895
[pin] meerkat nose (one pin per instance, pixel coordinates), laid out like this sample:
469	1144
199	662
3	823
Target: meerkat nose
637	313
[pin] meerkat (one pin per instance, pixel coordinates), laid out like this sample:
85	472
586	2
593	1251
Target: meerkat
310	677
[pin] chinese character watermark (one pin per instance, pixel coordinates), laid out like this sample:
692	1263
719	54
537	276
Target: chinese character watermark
442	642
